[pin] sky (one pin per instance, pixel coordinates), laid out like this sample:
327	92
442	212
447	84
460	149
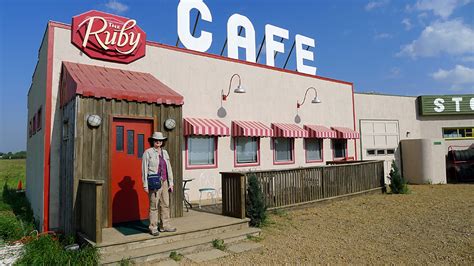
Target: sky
399	47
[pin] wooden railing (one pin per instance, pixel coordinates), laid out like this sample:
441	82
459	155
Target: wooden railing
283	188
90	196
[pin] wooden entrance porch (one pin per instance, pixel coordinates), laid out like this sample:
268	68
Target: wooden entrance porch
196	231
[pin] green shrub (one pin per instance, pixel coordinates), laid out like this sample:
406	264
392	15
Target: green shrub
219	244
45	250
256	209
398	185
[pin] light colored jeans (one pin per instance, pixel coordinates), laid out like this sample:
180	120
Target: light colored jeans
160	197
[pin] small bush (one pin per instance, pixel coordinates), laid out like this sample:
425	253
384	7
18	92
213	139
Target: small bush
398	185
125	262
256	209
176	256
219	244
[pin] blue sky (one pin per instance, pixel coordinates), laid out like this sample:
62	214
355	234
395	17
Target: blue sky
387	46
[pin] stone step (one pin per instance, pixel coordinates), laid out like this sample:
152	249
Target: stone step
162	251
146	240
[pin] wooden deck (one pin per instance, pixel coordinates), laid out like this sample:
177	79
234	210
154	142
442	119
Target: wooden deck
195	232
191	222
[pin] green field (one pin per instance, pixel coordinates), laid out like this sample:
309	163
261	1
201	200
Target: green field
11	171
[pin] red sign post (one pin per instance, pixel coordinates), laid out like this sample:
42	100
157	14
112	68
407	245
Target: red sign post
108	37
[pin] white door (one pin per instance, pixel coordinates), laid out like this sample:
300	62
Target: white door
379	141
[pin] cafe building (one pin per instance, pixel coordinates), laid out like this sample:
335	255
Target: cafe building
99	92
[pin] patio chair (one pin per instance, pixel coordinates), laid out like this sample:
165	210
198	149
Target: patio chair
207	187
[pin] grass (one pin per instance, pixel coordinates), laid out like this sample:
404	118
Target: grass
176	256
255	238
46	250
17	222
11	171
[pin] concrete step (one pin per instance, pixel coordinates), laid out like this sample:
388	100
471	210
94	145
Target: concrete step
156	252
147	240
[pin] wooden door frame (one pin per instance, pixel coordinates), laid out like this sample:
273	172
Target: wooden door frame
154	120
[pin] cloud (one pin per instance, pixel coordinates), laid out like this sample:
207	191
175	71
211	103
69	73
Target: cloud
382	36
115	6
395	72
450	37
468	59
407	23
459	77
441	8
376	4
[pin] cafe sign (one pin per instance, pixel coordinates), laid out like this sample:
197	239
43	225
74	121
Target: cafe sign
108	37
446	104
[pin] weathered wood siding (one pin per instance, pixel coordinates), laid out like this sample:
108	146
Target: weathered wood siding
91	156
90	211
282	188
66	184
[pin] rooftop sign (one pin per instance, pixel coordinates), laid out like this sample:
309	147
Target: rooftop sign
446	104
108	37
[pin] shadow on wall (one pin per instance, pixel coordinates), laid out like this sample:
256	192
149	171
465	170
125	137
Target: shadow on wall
125	203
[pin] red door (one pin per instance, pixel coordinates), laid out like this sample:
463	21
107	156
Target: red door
129	141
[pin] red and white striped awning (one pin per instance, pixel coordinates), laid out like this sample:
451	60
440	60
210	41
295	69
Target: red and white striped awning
288	131
320	132
206	127
346	133
250	129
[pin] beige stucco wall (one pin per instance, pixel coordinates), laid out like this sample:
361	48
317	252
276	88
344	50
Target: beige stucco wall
424	161
432	127
35	144
271	97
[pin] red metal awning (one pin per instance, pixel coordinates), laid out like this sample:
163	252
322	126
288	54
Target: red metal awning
250	129
320	132
288	131
205	127
111	83
346	133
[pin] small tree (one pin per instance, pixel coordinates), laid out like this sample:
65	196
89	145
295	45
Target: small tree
255	205
398	185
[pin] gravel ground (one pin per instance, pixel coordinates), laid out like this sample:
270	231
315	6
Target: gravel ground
433	224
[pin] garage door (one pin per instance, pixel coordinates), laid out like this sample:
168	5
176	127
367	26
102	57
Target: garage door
379	141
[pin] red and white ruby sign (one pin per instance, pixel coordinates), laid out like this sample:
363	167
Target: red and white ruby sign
108	37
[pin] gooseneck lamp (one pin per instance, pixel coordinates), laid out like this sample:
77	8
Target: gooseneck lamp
239	88
315	100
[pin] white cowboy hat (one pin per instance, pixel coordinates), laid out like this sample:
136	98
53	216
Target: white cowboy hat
157	136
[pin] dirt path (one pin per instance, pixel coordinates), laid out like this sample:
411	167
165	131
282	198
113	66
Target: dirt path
433	224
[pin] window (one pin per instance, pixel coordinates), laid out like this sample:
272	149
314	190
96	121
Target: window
458	133
339	147
34	124
380	152
30	128
283	150
130	141
371	152
119	138
39	119
314	149
390	151
246	150
201	152
141	145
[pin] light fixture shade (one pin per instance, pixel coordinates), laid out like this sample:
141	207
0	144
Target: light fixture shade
240	89
316	100
94	120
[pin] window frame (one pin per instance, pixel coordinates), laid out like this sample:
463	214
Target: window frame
275	162
457	130
189	166
236	163
321	148
334	158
